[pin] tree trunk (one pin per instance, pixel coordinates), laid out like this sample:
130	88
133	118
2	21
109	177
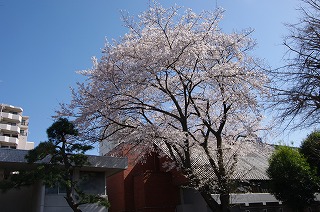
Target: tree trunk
68	177
222	178
224	199
72	204
212	204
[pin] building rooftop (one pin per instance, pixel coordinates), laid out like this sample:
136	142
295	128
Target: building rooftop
15	108
252	162
15	159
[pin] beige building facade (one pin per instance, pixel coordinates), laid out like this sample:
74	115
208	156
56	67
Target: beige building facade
14	128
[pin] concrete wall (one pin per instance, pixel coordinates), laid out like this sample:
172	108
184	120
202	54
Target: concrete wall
191	201
20	200
35	199
57	203
92	183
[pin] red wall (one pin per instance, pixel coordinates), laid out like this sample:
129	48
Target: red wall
144	187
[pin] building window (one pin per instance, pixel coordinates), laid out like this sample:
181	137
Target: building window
23	133
92	182
56	189
89	183
8	147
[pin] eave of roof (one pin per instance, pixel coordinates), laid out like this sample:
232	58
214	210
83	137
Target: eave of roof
15	159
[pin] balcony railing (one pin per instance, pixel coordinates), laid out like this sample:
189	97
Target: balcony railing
24	125
9	128
13	117
23	134
6	139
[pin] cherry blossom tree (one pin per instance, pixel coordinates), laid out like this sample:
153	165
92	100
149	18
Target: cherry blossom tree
179	85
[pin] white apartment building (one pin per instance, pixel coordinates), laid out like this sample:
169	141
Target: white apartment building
14	128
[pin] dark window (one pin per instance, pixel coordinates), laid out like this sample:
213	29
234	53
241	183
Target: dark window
92	182
56	189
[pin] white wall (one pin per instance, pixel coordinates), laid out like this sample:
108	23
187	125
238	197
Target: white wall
57	203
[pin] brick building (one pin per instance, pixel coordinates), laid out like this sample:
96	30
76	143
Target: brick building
148	187
144	187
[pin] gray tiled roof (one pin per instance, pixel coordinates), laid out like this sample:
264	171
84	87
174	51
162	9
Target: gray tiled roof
13	155
252	167
249	166
16	158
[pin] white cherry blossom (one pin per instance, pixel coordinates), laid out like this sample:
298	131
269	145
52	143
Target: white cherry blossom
179	85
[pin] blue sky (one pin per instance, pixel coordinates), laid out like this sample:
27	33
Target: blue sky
44	42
